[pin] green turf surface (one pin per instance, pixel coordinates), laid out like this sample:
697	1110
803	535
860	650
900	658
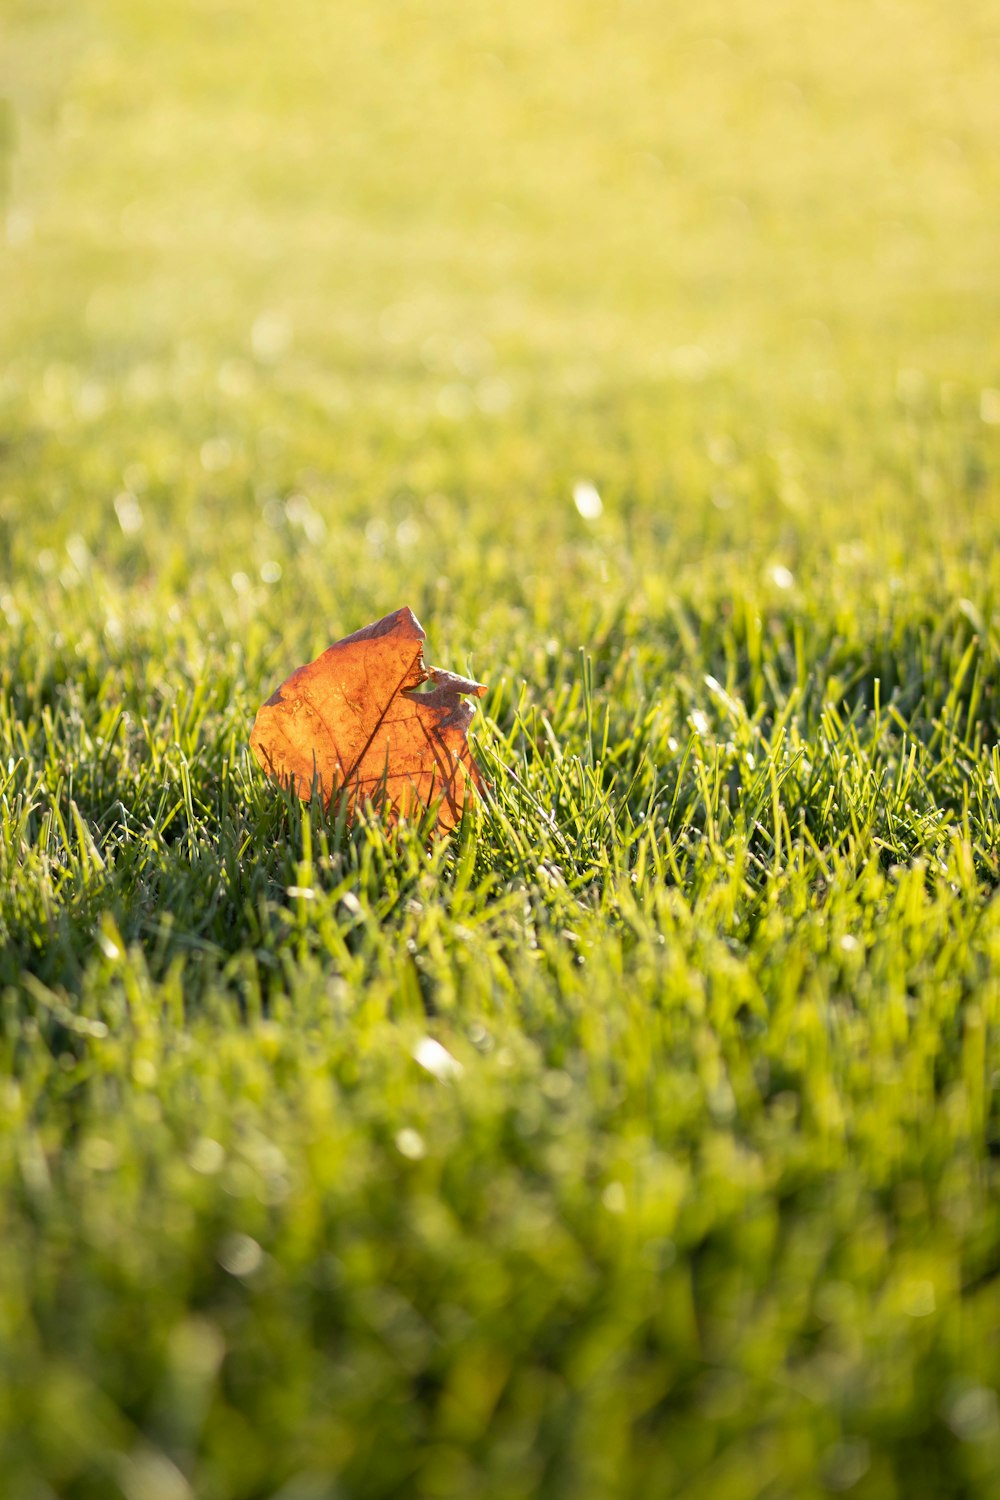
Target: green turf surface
310	311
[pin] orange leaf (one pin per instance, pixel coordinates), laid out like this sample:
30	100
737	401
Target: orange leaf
351	723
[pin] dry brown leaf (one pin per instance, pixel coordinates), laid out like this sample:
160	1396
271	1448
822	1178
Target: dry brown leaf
351	723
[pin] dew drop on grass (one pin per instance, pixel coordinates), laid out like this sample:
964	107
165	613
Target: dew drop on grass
436	1060
587	500
844	1464
240	1255
410	1143
129	513
206	1156
973	1414
300	512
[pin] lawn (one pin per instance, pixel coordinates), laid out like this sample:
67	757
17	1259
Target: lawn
651	355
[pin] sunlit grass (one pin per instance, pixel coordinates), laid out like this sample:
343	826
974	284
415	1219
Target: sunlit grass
650	357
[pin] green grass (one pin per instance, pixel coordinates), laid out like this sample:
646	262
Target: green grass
310	311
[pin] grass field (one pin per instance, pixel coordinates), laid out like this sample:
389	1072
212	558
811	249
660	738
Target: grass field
651	354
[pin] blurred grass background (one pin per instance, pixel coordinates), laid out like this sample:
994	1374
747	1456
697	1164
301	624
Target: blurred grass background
379	253
312	311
